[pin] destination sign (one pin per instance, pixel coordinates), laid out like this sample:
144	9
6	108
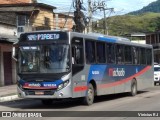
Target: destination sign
49	36
44	36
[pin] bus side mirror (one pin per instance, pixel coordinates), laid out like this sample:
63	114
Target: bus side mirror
15	53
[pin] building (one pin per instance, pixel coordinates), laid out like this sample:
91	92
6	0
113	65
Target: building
154	39
7	38
24	16
137	37
63	21
8	35
16	1
31	16
15	19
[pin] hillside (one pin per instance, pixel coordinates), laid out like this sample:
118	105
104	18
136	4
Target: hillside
126	24
152	7
145	20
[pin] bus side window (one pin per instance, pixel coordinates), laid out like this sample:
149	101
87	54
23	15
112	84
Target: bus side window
110	53
90	51
128	55
149	56
101	52
143	56
135	55
119	54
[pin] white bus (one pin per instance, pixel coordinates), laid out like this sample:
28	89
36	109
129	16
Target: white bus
58	64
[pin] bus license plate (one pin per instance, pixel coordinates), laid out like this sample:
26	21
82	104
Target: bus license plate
39	93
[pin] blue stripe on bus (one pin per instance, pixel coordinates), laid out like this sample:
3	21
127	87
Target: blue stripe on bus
97	72
113	40
112	73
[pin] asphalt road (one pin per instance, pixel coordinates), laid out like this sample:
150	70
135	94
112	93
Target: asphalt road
146	100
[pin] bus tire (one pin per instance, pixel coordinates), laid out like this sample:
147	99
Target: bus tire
89	98
47	102
133	88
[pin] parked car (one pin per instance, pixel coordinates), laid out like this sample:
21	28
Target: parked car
156	74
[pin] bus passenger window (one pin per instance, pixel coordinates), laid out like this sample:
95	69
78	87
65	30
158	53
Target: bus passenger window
149	56
119	54
135	55
110	53
90	52
143	56
128	55
101	53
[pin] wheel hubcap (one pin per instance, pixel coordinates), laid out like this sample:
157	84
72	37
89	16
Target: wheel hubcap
134	89
90	94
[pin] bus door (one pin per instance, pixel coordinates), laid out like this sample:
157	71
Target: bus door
78	73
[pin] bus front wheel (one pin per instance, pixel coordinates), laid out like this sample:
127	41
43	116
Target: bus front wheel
89	98
133	88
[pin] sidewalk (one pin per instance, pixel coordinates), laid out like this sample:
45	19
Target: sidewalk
8	93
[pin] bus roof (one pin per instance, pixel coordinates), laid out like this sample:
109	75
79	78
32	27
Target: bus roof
111	39
97	36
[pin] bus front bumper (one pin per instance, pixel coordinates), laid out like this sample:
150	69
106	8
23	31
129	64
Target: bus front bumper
43	94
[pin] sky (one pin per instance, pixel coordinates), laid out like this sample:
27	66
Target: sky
120	6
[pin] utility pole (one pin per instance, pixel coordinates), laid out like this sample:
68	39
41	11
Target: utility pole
78	17
105	19
102	7
90	15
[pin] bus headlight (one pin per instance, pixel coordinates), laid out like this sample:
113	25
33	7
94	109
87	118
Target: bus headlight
62	85
66	83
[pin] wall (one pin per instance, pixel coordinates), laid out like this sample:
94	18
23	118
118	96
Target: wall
6	48
64	22
139	41
154	39
7	29
40	18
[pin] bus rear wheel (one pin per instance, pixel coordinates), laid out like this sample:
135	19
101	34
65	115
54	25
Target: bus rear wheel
89	98
133	88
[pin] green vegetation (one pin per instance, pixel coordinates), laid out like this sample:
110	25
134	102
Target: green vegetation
152	7
145	20
126	24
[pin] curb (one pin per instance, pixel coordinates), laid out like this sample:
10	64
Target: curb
8	98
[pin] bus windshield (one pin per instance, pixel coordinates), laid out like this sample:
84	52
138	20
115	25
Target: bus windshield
44	58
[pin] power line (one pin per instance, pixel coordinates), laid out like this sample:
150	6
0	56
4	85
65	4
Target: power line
102	7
